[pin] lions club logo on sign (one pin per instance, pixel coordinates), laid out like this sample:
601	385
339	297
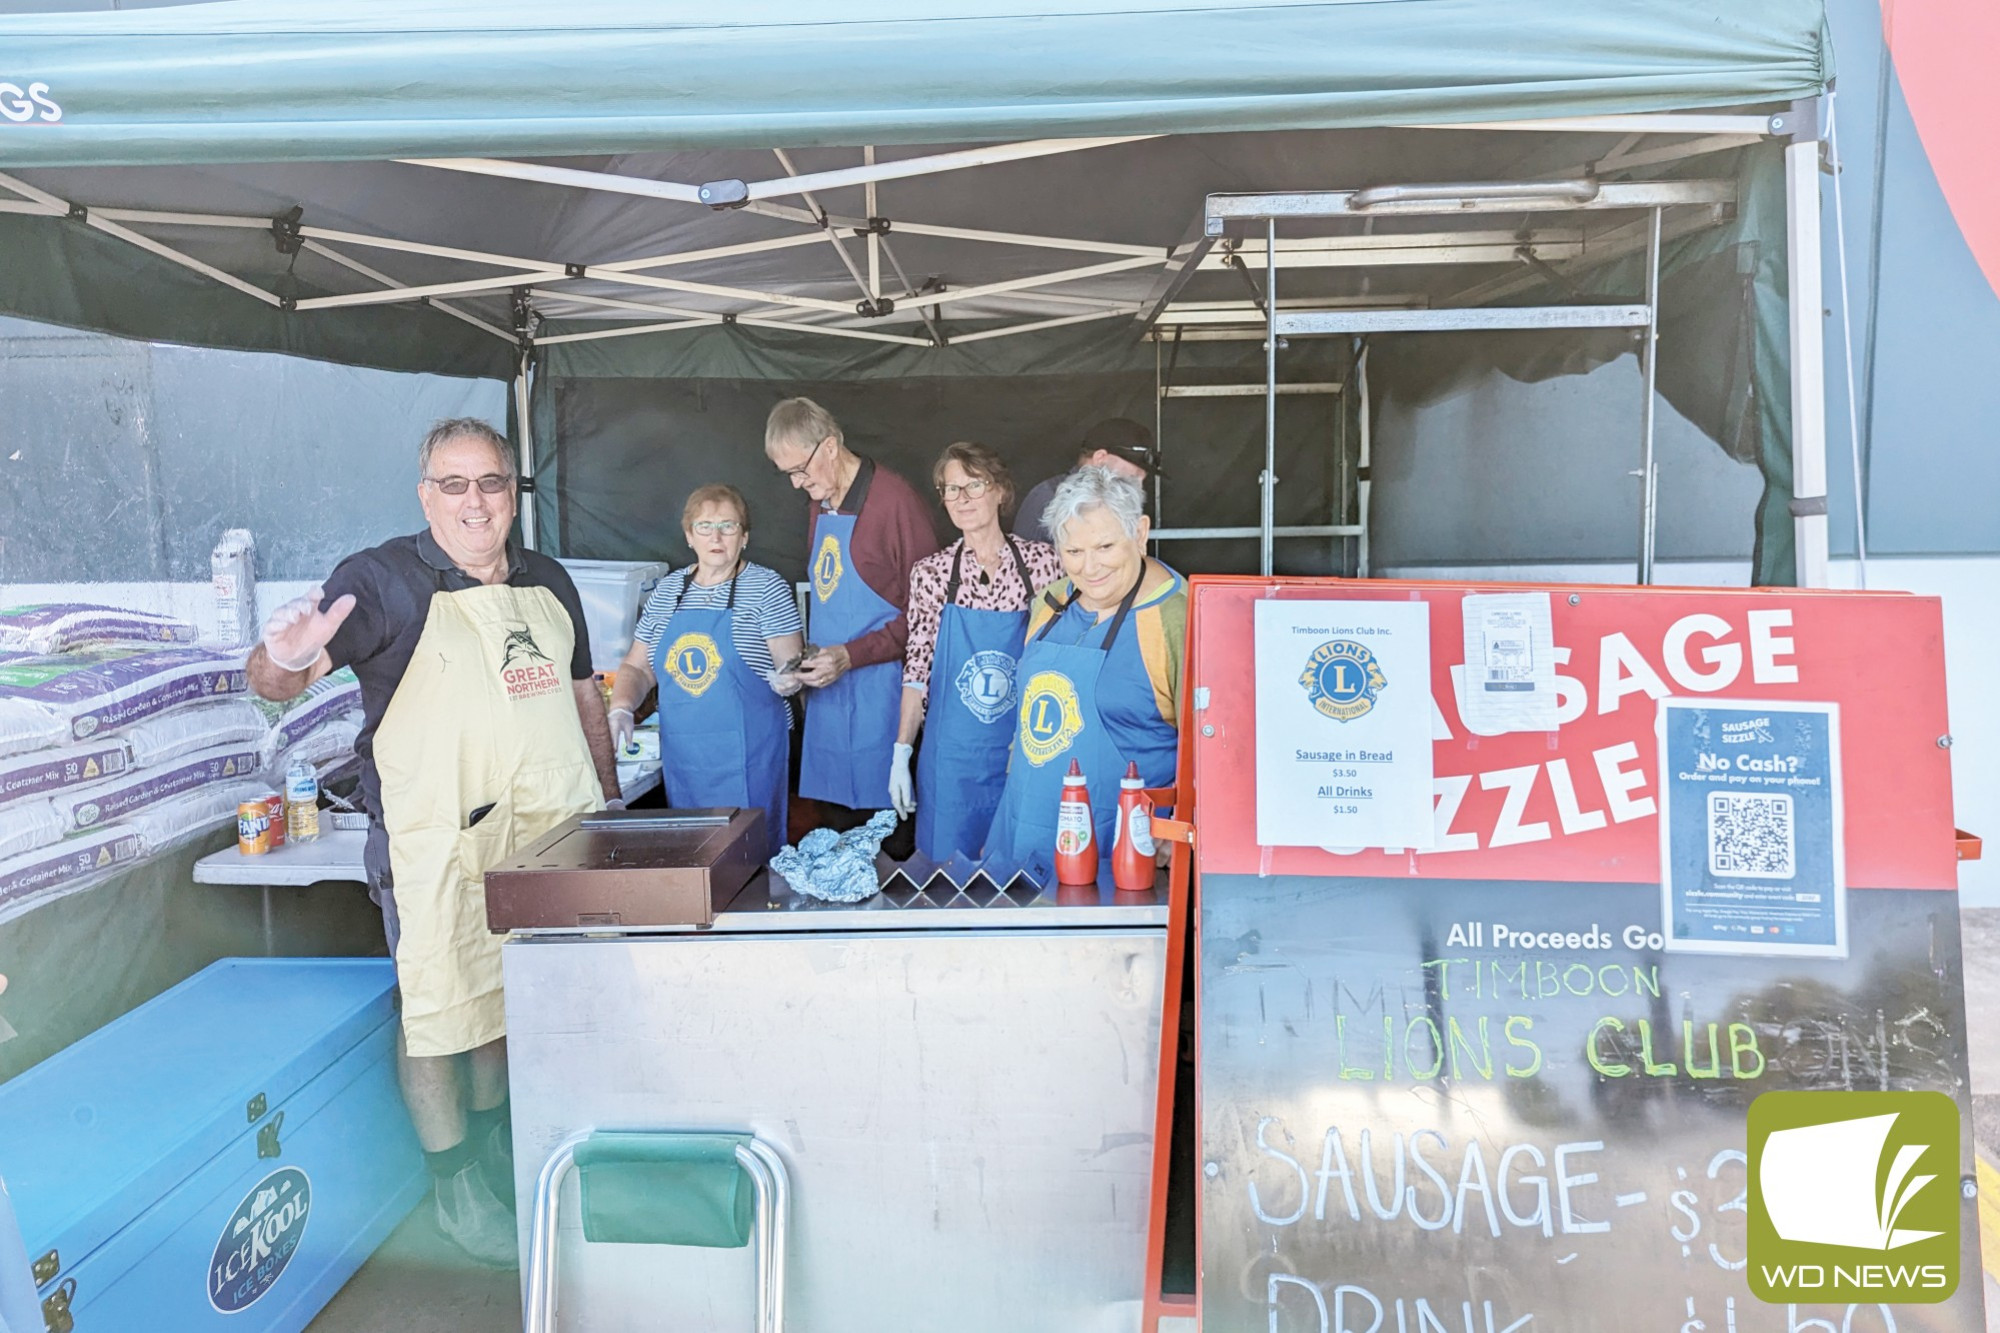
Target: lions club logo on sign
827	567
986	685
259	1240
694	662
1342	679
1051	718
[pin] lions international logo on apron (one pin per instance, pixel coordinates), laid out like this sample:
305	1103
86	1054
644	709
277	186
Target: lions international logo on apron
986	685
525	670
827	567
694	661
1342	679
1051	716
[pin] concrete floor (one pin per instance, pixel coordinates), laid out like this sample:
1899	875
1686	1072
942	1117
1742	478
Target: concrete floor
419	1283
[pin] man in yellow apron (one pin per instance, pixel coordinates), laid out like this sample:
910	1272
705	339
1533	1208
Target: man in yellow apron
483	729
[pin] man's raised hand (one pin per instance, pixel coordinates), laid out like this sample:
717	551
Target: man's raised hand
299	631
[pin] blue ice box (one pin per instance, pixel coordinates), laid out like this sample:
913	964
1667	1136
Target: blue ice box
222	1157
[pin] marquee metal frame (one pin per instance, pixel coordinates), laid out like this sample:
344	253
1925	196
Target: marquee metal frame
891	309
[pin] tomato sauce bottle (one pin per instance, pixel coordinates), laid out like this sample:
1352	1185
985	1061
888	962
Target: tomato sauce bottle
1132	865
1076	841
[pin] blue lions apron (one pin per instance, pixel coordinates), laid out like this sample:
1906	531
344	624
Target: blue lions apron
962	764
1061	719
723	733
850	724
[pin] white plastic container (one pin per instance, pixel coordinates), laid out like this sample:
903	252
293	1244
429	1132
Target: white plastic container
613	593
233	569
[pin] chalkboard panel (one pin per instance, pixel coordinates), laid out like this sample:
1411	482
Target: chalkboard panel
1498	1107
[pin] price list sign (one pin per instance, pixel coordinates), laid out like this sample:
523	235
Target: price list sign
1476	1082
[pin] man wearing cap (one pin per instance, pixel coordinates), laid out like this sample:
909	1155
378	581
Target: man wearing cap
1122	445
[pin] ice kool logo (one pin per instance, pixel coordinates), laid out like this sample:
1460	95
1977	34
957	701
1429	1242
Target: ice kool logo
1854	1196
259	1240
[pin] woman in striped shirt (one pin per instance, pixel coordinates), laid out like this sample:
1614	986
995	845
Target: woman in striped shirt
714	637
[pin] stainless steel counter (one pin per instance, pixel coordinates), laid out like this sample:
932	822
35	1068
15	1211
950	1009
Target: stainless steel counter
768	904
961	1087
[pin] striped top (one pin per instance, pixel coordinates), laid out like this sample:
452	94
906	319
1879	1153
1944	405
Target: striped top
765	608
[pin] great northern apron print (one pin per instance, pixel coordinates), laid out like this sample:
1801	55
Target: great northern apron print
525	670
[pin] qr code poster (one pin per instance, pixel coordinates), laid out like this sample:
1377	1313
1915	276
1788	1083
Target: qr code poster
1750	828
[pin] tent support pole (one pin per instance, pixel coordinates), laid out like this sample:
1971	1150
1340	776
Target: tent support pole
1847	351
1270	478
629	330
1159	496
1808	341
827	228
442	307
1362	476
1034	326
928	314
870	206
1649	359
758	191
166	252
523	407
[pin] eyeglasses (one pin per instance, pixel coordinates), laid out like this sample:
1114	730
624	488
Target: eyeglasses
799	473
491	484
971	490
728	527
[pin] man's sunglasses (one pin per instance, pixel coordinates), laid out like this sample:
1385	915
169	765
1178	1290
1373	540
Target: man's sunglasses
491	484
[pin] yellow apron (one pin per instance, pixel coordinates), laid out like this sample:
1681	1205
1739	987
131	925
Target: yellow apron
485	715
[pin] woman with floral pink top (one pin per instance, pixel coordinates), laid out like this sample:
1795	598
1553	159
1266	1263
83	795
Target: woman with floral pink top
968	613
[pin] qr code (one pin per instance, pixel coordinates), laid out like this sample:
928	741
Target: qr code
1751	836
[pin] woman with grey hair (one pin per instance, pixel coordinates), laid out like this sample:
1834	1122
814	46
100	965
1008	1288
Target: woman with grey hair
1100	675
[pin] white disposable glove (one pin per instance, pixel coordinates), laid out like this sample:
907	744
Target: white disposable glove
298	632
622	726
615	803
784	684
902	787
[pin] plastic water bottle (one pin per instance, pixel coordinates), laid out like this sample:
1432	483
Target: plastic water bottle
301	802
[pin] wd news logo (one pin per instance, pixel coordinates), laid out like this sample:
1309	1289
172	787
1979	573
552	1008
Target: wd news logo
1854	1196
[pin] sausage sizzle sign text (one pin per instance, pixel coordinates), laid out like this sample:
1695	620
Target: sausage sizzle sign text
1585	800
